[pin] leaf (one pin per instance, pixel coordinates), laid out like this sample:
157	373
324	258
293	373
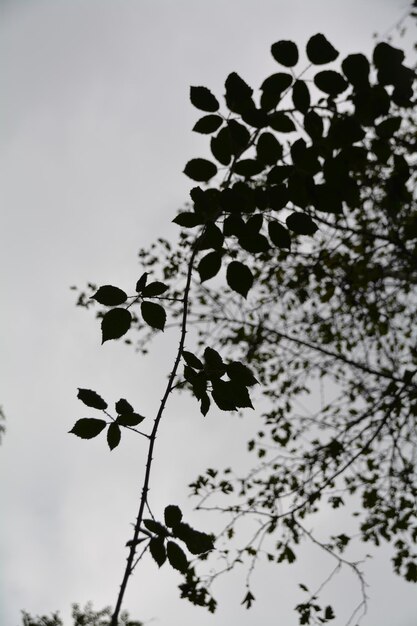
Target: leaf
208	124
200	170
204	403
238	93
273	88
229	395
155	527
172	515
281	122
313	125
356	69
301	223
268	149
187	220
212	359
285	52
92	399
320	50
113	435
122	406
248	168
220	146
248	600
157	550
388	127
140	285
212	237
88	427
110	296
203	99
176	557
196	541
279	235
239	277
209	265
154	289
240	373
301	96
115	324
129	419
192	360
239	136
153	314
330	82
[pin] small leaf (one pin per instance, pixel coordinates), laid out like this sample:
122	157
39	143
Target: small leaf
210	265
330	82
187	220
140	285
248	167
281	122
88	427
239	277
196	541
220	146
200	170
212	359
129	419
192	360
155	527
154	289
268	149
320	50
122	406
301	96
113	435
279	235
153	314
238	93
115	324
92	399
157	550
204	403
203	99
110	296
285	52
248	600
301	223
240	373
208	124
172	515
176	557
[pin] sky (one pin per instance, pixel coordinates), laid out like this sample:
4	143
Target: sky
95	130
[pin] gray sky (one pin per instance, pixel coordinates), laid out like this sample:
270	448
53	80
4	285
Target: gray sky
95	130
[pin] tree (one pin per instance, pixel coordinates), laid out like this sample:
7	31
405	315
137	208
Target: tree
308	220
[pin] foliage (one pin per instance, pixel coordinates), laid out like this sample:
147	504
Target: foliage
81	617
308	215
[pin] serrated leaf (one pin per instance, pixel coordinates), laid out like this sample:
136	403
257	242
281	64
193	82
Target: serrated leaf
196	541
208	124
113	435
176	557
115	324
200	170
153	314
212	359
122	406
209	265
172	515
239	277
141	283
301	96
320	50
155	527
330	82
238	93
110	296
129	419
203	99
285	52
88	427
212	237
279	235
154	289
301	223
192	360
157	550
187	220
240	373
92	399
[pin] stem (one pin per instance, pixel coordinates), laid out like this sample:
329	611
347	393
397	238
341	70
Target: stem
145	488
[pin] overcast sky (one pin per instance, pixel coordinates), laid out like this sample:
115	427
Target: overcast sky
95	130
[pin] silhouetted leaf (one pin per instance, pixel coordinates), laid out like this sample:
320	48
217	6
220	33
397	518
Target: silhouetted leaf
248	600
155	527
238	93
285	52
221	147
320	50
88	427
386	56
140	285
110	296
239	136
129	419
330	82
192	360
200	169
122	406
208	124
113	435
281	122
153	314
268	149
240	373
115	324
301	96
239	277
209	265
176	557
91	398
157	550
196	541
356	69
301	223
212	237
388	127
203	99
313	125
279	235
154	289
204	403
187	220
248	167
172	515
273	88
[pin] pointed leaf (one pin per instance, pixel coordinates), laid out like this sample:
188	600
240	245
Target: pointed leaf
157	550
203	99
115	324
187	220
192	360
155	527
210	265
268	149
110	296
172	515
204	403
208	124
200	170
301	96
141	283
239	277
153	314
88	427
320	50
91	398
279	235
122	406
281	122
238	93
129	419
176	557
240	373
113	435
301	223
196	541
154	289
